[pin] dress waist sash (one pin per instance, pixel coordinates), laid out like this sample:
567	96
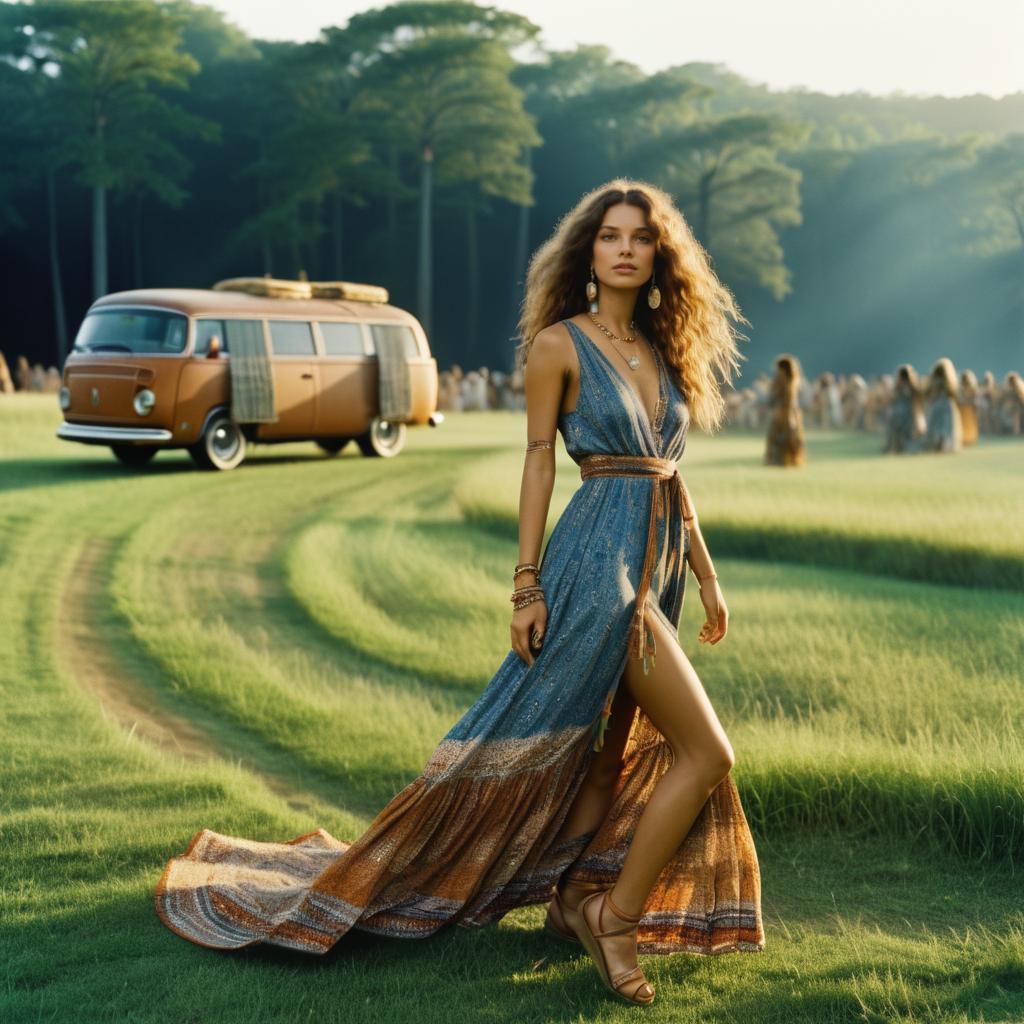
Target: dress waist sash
641	640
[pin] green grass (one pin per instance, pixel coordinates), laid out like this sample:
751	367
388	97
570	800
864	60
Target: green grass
279	648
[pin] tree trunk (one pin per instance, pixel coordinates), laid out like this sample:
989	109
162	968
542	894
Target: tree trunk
425	275
336	229
59	321
520	255
472	347
393	202
99	241
137	241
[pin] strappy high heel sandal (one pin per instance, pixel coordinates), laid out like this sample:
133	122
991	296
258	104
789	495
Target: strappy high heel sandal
629	984
561	918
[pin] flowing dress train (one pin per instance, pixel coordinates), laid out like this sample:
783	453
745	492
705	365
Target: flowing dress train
477	833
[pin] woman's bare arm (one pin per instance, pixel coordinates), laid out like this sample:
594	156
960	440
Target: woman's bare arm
716	624
546	373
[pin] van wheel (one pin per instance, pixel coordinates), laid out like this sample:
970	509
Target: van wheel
222	445
333	445
384	438
133	454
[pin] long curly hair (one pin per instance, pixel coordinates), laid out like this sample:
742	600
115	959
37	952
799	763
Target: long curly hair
942	379
785	386
693	326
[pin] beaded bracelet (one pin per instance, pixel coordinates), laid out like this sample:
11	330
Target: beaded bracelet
526	595
526	567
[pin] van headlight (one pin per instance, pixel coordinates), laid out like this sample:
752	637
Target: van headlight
144	402
64	397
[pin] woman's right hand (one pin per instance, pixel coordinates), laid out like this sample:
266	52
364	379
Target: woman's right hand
534	617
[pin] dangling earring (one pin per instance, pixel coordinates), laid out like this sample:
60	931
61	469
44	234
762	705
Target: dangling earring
592	290
653	295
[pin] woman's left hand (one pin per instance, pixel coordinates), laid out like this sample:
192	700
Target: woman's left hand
717	622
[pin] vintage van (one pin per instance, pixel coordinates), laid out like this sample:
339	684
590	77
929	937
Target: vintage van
250	361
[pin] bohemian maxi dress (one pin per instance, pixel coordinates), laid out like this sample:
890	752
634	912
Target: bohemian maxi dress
476	834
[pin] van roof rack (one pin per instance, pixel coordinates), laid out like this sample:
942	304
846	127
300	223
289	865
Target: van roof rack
280	288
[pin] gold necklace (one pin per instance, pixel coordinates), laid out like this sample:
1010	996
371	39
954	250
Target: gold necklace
632	361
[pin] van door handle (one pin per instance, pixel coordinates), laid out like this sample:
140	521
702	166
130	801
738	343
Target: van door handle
307	376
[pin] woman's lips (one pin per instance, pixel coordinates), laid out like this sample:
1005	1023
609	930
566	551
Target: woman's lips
624	270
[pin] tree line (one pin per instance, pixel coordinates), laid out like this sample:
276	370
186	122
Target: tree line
430	146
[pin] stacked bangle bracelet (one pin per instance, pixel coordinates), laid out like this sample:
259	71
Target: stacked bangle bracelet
523	596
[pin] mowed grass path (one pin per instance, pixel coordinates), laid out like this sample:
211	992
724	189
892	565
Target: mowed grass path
279	648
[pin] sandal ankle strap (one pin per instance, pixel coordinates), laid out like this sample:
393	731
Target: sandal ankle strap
619	913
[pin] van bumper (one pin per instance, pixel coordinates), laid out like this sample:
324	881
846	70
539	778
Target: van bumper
89	434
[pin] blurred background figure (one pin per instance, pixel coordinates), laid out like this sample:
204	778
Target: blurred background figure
854	401
943	429
474	391
6	380
988	399
761	406
877	405
968	399
22	374
1010	405
826	404
785	444
517	388
449	392
905	424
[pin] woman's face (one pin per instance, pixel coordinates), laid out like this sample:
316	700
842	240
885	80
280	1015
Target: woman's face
624	248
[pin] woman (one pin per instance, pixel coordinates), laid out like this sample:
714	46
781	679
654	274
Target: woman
944	430
968	402
905	425
557	774
786	444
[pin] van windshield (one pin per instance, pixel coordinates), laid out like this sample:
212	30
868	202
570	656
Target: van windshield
132	330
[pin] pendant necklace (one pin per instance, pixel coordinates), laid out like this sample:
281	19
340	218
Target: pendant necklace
633	360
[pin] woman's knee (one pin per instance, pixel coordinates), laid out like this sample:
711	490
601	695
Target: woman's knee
711	764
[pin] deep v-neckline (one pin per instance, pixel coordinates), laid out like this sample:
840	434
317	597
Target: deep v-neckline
654	423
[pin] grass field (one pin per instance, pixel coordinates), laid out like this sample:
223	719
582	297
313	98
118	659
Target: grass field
279	648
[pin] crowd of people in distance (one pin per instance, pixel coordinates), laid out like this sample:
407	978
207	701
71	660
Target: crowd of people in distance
943	412
26	377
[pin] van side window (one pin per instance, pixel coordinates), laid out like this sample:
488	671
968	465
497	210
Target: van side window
291	338
342	339
409	346
247	333
205	330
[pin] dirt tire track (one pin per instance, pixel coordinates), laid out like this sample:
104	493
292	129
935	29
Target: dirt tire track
90	658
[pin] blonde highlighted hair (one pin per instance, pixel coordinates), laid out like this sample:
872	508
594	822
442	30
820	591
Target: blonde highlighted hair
693	326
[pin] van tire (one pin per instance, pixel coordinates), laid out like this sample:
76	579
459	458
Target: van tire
333	445
384	438
222	445
133	454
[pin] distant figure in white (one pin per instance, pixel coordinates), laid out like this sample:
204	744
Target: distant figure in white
905	424
944	430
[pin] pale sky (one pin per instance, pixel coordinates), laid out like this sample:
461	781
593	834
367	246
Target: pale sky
915	47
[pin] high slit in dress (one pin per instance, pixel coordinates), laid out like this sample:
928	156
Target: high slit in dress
477	833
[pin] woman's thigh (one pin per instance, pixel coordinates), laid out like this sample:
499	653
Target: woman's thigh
673	698
607	763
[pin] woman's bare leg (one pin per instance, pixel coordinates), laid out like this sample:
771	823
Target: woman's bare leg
594	797
672	696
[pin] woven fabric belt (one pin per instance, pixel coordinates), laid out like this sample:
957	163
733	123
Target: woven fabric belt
641	640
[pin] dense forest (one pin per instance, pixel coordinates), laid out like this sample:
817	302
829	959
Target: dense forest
431	146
